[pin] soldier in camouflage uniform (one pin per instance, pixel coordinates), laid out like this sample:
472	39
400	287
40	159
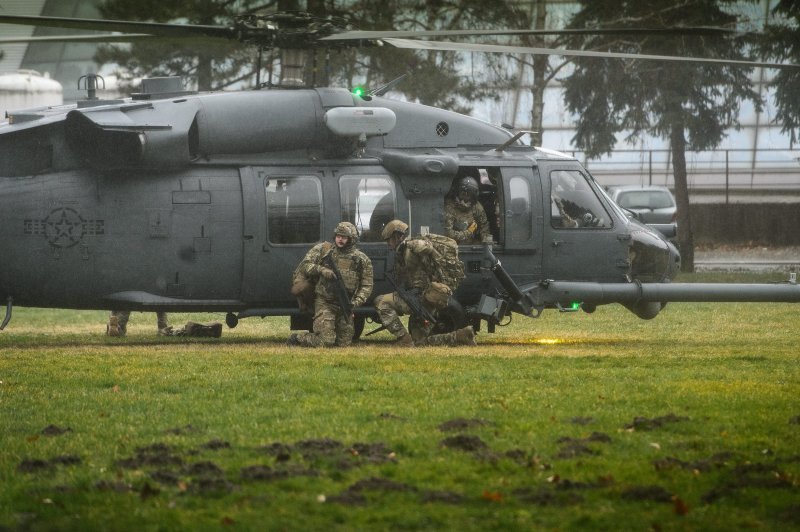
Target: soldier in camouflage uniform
118	326
303	287
118	323
416	268
465	220
331	325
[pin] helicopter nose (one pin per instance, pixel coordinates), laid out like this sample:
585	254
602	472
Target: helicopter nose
674	265
654	258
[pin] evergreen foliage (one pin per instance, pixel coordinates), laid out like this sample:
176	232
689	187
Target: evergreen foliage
690	104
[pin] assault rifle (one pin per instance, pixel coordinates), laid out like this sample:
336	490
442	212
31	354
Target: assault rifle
338	286
412	299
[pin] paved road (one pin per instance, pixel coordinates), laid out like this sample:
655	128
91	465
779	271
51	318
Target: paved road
748	258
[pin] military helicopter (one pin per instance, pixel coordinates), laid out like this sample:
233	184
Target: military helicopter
174	200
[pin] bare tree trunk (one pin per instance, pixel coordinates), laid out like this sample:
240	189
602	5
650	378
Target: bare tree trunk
204	72
539	70
685	236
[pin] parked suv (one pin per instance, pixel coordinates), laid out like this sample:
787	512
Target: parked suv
650	204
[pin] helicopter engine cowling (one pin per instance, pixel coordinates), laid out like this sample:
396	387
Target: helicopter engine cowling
171	133
259	122
161	134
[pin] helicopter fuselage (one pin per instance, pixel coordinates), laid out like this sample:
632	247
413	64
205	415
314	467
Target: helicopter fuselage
206	202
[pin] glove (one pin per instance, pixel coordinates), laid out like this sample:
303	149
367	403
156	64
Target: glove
327	273
472	227
356	303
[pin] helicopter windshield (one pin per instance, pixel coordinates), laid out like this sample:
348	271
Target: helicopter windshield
574	203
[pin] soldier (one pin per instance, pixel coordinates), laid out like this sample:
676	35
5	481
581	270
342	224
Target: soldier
332	325
417	267
118	323
465	220
118	326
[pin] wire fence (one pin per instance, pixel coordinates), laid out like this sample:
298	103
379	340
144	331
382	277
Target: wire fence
720	171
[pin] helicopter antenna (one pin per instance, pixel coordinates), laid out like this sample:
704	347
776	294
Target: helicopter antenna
512	140
382	90
91	85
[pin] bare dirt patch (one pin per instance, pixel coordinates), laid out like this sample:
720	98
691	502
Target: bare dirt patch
55	430
462	424
465	442
643	423
646	493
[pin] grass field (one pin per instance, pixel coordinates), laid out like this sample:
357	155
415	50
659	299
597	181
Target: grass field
690	421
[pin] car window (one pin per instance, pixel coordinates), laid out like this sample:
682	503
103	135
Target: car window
645	199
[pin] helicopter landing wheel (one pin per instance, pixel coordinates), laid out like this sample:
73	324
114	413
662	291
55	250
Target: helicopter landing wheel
231	320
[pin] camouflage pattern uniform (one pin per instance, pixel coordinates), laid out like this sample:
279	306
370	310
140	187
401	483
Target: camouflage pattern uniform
331	325
416	269
458	217
303	286
118	322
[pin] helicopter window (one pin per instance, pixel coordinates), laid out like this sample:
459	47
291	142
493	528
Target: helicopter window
368	202
574	203
294	210
519	205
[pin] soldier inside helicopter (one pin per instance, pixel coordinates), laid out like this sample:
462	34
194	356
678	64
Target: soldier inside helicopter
465	218
573	203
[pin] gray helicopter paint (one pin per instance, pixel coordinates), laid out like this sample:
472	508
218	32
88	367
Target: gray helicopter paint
161	204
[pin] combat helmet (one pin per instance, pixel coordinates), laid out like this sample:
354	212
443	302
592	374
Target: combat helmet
347	229
467	189
395	226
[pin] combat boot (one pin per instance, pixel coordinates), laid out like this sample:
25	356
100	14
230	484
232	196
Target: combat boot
465	336
404	341
293	340
113	328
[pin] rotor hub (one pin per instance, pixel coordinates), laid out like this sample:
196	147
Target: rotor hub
295	29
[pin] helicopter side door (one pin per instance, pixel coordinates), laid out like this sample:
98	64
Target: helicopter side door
288	210
283	218
580	234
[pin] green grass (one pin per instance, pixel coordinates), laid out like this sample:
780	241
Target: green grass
548	445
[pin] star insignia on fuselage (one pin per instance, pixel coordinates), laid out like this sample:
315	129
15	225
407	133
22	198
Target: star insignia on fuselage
64	227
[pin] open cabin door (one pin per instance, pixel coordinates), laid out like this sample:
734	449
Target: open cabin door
511	197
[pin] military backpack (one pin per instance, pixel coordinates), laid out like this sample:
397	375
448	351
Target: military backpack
452	267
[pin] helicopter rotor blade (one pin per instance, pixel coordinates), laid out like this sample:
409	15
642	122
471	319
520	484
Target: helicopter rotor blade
152	28
104	38
495	48
367	35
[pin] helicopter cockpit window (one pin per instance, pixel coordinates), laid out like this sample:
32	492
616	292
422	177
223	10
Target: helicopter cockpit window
294	210
573	202
368	202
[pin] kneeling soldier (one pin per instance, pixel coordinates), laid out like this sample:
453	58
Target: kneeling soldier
345	282
416	265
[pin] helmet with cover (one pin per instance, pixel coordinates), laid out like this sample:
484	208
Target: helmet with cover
467	190
395	226
347	229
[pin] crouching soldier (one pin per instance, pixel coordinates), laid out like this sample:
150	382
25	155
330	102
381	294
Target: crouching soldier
345	282
420	268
